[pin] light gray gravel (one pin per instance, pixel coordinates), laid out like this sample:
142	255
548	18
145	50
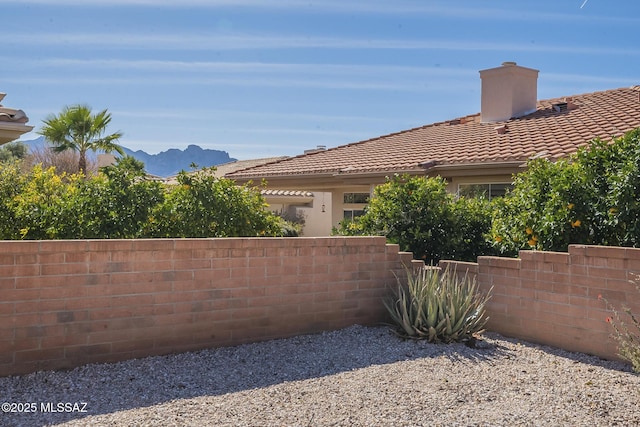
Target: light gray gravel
359	376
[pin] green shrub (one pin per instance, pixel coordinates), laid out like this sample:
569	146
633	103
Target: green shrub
627	335
202	205
591	198
472	225
12	183
120	202
437	306
115	203
13	151
39	208
423	218
547	209
46	205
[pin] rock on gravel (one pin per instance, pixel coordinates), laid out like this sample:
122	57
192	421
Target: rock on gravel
358	376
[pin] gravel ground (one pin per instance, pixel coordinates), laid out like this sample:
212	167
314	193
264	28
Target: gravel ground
359	376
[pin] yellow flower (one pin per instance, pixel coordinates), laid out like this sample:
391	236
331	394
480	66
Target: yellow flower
613	210
570	206
529	230
498	239
532	242
576	223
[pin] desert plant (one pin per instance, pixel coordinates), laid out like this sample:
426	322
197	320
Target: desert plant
65	162
14	151
438	306
627	336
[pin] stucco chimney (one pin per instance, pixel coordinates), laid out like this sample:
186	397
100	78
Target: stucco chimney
508	91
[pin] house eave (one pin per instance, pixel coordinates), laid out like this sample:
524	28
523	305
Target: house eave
245	178
475	169
378	173
12	131
292	200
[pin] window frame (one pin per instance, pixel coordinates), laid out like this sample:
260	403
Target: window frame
489	196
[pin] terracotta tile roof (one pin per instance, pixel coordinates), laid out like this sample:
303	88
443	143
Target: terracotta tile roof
555	130
227	168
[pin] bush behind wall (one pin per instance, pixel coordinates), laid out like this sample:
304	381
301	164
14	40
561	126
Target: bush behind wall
120	202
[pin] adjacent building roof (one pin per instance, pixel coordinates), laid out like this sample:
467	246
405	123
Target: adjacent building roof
12	123
555	130
230	167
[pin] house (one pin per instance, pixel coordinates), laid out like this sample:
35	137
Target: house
12	123
474	153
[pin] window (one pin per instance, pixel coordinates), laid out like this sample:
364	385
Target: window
356	198
351	214
488	191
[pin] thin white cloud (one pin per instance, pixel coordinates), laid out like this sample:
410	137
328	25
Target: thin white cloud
585	78
192	42
295	131
257	74
484	11
193	67
281	81
226	114
98	72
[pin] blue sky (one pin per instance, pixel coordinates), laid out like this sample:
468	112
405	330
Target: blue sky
276	77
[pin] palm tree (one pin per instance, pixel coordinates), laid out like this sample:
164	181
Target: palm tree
76	129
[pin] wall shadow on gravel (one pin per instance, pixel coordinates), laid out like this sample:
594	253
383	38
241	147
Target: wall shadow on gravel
615	365
108	388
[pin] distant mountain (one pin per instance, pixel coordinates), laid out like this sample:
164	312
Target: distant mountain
165	163
35	144
172	161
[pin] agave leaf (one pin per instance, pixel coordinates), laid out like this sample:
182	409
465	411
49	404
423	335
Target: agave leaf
448	329
432	334
460	323
405	314
432	312
452	310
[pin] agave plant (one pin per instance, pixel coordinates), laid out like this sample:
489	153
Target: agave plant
438	306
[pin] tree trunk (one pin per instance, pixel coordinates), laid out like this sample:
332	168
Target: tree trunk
82	163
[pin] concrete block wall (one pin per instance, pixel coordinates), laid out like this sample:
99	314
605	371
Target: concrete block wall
552	298
67	303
